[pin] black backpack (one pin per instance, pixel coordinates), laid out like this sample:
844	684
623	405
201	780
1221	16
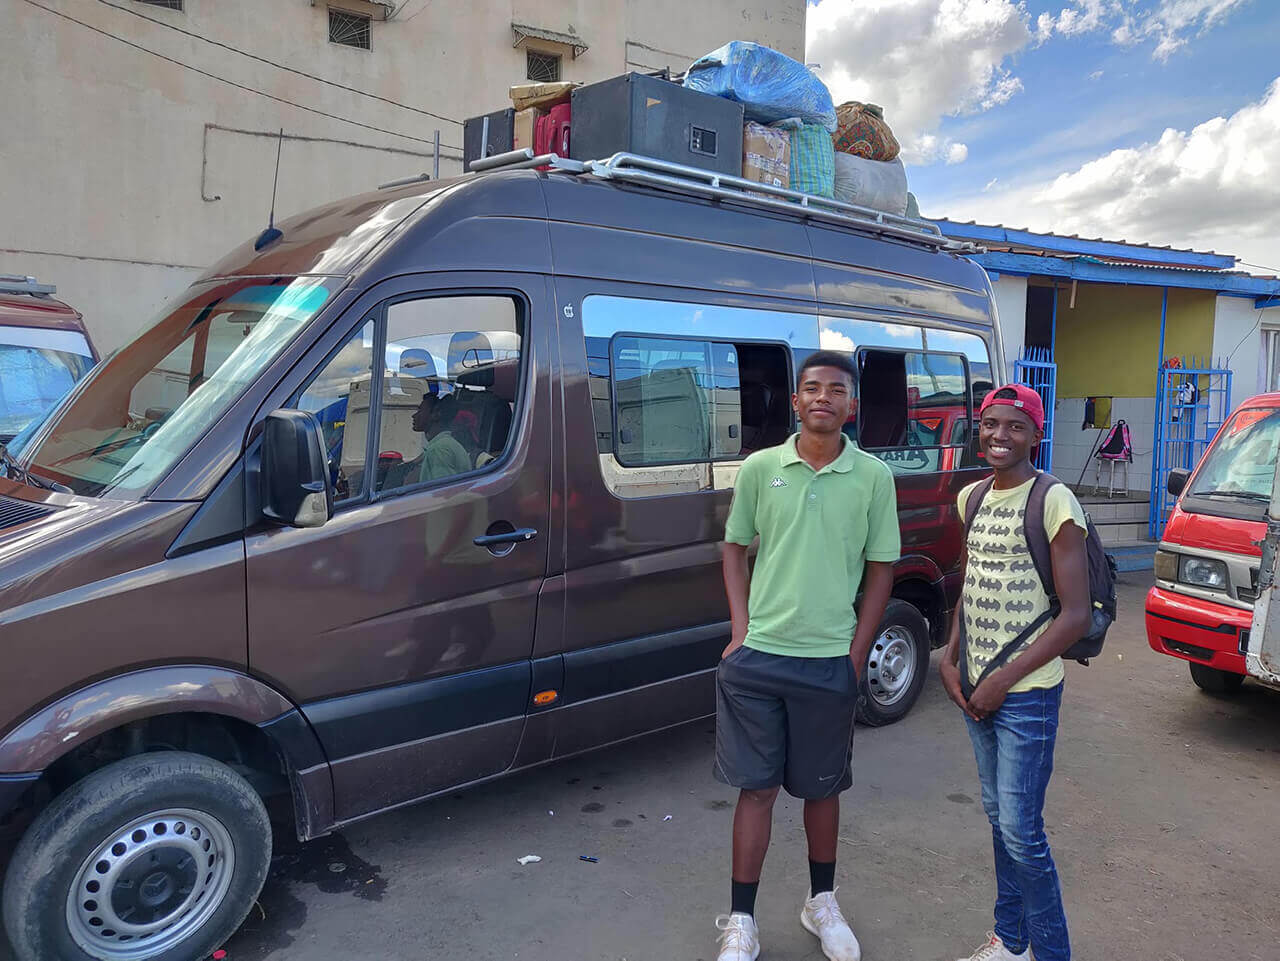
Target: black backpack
1102	581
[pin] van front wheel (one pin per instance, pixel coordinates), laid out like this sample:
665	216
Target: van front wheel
1214	681
157	857
894	674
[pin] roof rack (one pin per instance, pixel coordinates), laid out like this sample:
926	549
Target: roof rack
650	172
22	284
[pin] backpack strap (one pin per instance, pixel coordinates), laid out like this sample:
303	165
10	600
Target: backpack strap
1037	537
974	503
971	508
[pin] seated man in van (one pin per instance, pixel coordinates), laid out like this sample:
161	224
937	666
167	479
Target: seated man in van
442	455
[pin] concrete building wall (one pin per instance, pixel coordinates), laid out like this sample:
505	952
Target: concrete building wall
1011	309
1108	344
140	142
1238	339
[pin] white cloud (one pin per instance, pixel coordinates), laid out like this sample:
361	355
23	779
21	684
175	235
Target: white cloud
1215	186
1169	24
829	339
922	60
1096	75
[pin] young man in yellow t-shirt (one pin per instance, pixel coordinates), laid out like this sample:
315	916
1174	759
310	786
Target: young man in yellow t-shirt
1012	713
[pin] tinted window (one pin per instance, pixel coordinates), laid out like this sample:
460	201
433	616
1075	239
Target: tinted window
676	414
912	408
450	388
331	394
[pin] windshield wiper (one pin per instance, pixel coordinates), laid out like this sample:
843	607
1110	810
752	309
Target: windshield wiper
11	466
1238	495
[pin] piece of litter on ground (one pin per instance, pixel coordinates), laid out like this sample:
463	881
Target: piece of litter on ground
667	818
528	859
584	857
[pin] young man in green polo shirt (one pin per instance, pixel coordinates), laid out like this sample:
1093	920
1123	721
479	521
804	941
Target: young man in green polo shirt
826	515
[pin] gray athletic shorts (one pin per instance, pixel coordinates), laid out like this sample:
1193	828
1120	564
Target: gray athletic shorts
785	721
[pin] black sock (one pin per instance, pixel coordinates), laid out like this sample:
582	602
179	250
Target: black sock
744	897
822	877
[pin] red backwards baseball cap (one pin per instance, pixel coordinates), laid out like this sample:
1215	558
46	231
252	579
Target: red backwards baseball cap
1024	399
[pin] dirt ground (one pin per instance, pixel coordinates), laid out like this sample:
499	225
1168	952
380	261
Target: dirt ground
1159	815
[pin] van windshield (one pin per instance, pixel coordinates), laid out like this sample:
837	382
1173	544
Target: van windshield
139	411
37	367
1241	463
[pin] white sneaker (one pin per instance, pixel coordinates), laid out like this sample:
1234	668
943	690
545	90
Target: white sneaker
994	950
821	917
740	940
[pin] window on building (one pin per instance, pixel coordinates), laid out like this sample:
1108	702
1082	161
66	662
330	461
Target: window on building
348	29
167	4
542	67
914	409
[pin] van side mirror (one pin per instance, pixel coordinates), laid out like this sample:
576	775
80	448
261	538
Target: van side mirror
296	490
1177	482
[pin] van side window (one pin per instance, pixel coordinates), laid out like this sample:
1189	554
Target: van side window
452	377
912	407
342	382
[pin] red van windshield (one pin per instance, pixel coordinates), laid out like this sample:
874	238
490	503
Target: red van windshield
1242	461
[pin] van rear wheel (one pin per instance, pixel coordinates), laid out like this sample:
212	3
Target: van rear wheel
894	675
157	857
1214	681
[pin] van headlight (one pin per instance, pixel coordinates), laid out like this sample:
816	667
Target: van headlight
1203	572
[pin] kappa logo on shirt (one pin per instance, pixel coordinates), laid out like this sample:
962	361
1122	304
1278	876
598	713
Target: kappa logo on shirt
777	482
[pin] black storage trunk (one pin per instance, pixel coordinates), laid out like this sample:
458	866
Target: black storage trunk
502	136
647	115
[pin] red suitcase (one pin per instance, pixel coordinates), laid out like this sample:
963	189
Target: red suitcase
552	132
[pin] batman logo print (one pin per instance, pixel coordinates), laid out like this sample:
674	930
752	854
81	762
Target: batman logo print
989	584
986	645
1019	607
1022	567
1023	587
987	624
999	530
1014	627
988	604
1005	513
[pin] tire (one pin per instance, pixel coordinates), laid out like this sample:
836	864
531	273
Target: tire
1213	681
149	827
896	669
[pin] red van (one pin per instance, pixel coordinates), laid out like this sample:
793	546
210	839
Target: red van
1201	608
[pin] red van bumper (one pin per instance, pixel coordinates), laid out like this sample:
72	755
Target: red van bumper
1197	630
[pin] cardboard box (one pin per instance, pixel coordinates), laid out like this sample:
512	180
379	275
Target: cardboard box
525	124
543	95
766	155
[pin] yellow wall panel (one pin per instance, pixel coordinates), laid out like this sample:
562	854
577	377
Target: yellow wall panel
1107	345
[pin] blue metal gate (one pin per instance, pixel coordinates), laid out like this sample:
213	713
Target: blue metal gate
1037	370
1193	399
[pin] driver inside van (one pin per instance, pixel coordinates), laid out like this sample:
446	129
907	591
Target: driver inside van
442	455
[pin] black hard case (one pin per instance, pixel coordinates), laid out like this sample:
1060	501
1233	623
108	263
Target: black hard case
648	115
502	136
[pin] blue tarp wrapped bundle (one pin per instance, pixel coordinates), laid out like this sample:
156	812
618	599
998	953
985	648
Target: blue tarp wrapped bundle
769	85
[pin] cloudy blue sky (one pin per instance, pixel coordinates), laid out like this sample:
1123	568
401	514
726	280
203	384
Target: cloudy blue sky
1149	120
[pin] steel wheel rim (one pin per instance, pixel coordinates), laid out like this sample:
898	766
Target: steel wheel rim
891	666
150	885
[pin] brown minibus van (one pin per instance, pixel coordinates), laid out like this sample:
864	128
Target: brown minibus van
428	490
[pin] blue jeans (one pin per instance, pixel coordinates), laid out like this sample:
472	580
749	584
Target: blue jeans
1014	748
